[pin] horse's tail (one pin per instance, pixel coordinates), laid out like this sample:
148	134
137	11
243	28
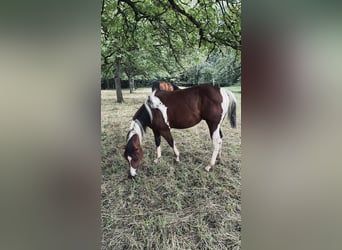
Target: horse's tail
232	109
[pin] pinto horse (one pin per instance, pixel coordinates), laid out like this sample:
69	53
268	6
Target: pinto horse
180	109
161	85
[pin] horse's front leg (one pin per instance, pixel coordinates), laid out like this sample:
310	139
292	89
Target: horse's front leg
217	144
157	142
175	150
168	137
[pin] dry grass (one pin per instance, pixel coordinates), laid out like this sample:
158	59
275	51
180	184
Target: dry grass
169	205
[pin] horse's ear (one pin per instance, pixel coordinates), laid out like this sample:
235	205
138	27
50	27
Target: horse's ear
122	147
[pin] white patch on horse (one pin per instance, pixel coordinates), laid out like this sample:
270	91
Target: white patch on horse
135	130
156	103
132	170
176	152
148	111
158	154
224	104
225	108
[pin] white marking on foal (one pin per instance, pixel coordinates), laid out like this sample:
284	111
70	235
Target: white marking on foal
216	138
148	111
224	104
156	103
135	130
176	152
158	154
132	170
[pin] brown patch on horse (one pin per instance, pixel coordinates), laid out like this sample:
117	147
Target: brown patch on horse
187	107
165	86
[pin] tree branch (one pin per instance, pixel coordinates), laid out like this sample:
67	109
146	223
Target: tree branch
198	25
102	8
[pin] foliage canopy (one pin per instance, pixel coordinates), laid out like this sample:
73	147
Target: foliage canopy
169	38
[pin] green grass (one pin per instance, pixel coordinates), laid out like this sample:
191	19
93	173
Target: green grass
236	89
169	205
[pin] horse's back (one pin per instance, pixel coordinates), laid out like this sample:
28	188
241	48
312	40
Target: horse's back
166	86
199	101
203	92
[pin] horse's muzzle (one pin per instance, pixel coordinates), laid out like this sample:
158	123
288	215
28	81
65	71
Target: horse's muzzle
133	172
130	176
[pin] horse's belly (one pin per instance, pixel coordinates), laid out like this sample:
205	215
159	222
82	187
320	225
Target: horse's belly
186	123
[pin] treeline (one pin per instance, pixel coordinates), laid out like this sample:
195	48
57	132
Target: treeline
139	83
187	42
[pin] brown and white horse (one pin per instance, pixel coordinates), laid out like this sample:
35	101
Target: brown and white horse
180	109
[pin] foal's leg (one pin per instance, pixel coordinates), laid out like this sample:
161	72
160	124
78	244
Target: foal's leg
219	157
217	143
168	137
157	141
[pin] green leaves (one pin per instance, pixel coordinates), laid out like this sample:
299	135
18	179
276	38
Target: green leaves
158	35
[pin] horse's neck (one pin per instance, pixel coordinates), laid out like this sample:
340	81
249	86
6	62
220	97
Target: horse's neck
149	112
141	120
163	109
156	103
136	129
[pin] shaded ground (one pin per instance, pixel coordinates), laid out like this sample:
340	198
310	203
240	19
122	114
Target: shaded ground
169	205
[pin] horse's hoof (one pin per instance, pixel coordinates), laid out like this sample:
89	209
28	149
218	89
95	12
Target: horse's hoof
156	161
130	176
207	168
176	161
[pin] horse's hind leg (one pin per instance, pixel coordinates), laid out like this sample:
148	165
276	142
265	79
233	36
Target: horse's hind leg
175	150
168	137
219	157
217	143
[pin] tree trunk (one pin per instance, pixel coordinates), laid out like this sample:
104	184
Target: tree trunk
119	96
131	84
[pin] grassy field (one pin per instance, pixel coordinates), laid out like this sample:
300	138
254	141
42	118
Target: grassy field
169	205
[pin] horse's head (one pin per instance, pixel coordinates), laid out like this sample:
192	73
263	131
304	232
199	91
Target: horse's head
133	154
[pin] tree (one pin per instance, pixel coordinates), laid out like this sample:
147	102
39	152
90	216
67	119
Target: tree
119	96
157	37
221	67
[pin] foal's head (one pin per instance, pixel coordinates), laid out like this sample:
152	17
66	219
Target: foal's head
133	154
